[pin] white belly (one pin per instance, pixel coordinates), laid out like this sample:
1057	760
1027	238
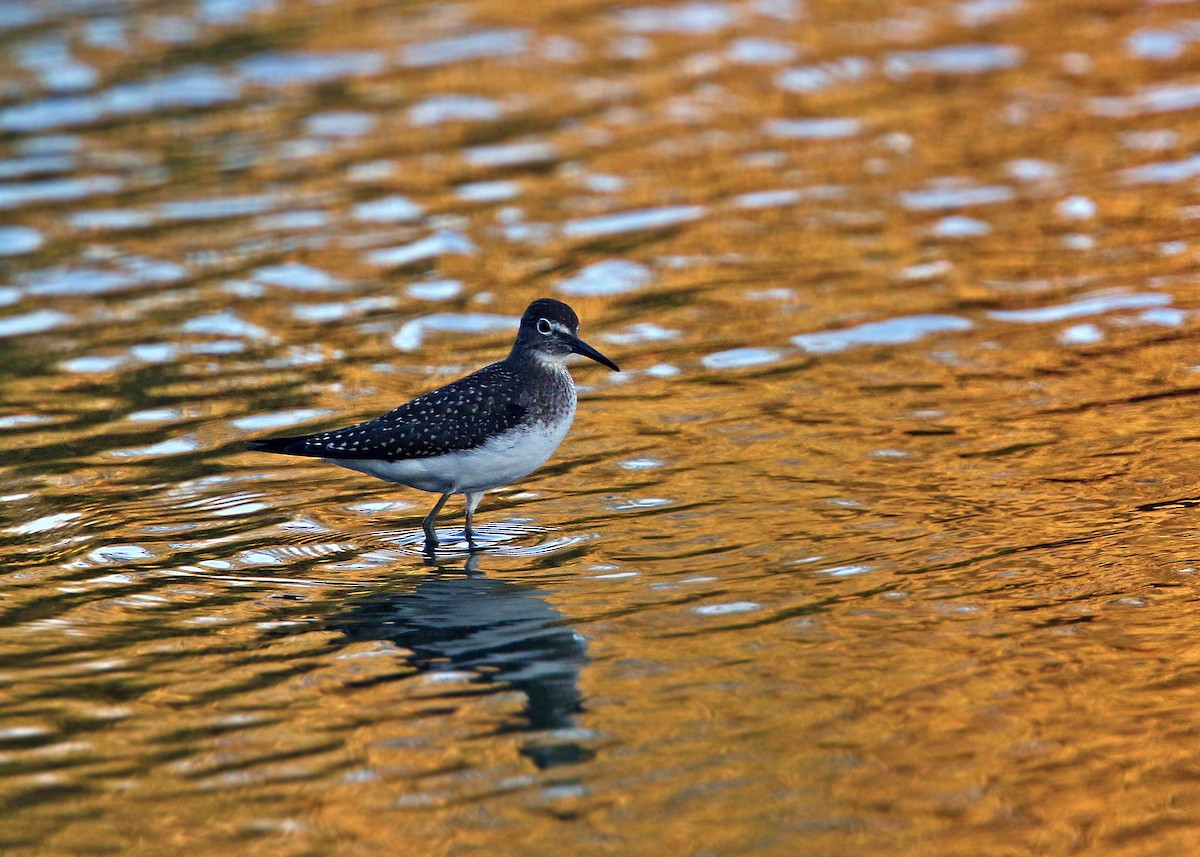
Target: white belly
501	461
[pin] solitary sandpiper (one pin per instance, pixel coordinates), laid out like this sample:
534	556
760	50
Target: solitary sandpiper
488	429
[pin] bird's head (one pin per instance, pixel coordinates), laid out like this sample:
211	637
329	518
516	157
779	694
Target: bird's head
549	331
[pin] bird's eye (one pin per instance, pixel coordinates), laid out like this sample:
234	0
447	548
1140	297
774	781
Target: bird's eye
543	327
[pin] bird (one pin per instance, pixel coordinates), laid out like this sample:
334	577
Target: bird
487	429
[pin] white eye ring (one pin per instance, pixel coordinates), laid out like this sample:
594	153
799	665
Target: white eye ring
543	327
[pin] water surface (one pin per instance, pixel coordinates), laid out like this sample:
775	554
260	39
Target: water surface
880	544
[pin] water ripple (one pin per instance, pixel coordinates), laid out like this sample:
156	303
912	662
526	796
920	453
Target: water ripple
891	332
1094	305
632	221
953	59
462	48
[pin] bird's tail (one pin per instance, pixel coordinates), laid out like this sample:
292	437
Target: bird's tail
283	445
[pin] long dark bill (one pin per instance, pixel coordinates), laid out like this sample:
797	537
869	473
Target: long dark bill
581	347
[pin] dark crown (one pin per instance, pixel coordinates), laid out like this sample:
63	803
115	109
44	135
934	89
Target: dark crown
551	310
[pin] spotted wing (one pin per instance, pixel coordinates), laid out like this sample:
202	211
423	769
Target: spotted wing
461	415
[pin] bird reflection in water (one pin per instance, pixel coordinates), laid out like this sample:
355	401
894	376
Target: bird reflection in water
505	633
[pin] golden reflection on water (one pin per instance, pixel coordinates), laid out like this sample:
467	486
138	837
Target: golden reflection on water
882	543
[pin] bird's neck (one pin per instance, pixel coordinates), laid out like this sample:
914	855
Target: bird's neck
548	392
534	361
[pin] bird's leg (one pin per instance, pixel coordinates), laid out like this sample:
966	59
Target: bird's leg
431	539
473	498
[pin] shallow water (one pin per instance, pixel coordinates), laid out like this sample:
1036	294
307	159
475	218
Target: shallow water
882	543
